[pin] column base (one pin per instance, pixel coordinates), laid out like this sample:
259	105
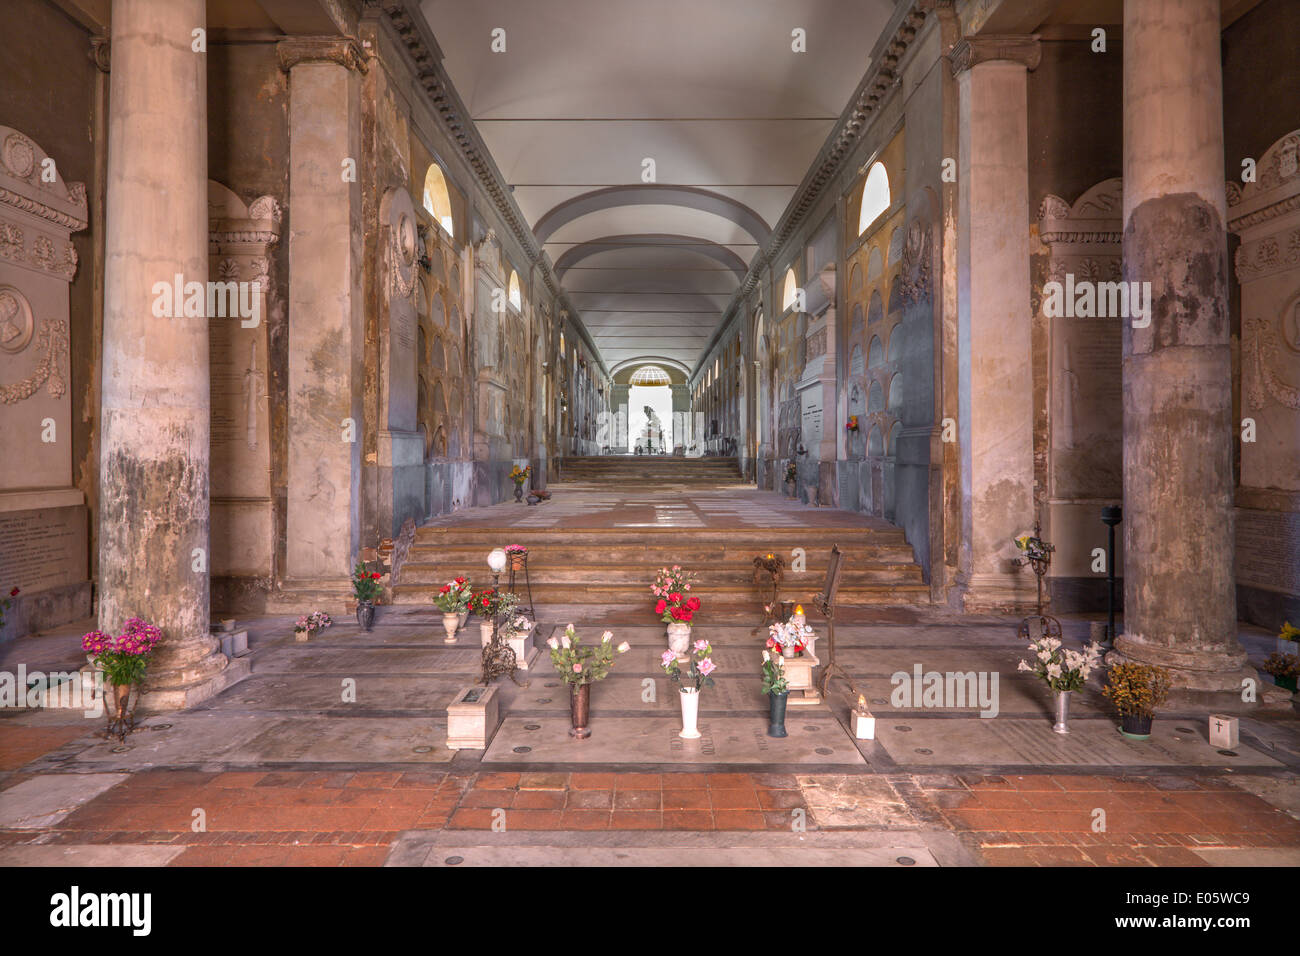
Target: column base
190	673
1212	673
1009	593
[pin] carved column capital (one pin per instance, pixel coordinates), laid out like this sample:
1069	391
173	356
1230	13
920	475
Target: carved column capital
99	53
341	50
973	50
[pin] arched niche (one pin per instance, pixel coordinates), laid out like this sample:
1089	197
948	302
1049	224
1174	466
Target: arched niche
437	199
895	344
896	246
857	324
875	443
856	366
875	352
855	280
896	392
875	266
437	311
875	311
895	433
875	397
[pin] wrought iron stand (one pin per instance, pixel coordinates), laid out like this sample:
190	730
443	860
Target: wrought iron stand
498	656
1039	561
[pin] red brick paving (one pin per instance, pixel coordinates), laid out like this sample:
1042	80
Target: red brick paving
335	818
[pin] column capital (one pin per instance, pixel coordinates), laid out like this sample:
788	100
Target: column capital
1015	48
99	51
341	50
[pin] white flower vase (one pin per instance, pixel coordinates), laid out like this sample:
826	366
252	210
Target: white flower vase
450	624
485	632
679	639
788	651
461	618
690	713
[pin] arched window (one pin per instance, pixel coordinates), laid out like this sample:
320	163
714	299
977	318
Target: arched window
790	296
561	345
650	375
875	196
515	298
436	198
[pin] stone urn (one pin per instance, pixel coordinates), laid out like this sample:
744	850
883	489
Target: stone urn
485	632
519	492
366	614
450	624
679	639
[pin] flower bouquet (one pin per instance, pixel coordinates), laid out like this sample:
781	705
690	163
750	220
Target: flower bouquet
777	687
1136	690
852	424
453	599
675	606
1063	670
517	554
309	624
519	476
789	637
5	604
123	661
580	665
700	667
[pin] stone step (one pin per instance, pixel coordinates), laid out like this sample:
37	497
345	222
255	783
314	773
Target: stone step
719	596
710	577
735	538
692	556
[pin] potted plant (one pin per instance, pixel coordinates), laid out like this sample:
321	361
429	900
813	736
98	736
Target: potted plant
484	604
123	661
791	477
307	625
676	606
1284	669
1136	690
852	424
581	665
518	556
515	631
777	688
1063	670
788	638
1288	639
697	677
366	589
519	476
452	599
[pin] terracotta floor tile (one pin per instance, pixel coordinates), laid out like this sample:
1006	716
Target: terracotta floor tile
636	820
496	781
585	820
637	781
592	781
686	800
539	800
739	820
688	820
637	800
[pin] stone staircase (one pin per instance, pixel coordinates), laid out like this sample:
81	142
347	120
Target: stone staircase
656	469
617	566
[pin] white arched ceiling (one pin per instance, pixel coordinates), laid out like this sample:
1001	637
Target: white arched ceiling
712	92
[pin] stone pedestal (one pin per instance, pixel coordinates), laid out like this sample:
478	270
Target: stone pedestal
472	718
1179	591
994	329
154	544
325	309
799	673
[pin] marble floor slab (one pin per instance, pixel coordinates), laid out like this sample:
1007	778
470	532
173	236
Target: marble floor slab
422	694
813	739
1092	742
45	800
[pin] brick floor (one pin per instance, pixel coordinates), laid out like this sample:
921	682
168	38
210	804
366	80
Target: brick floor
335	818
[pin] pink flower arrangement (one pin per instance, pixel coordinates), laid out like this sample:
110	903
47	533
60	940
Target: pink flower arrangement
124	658
700	666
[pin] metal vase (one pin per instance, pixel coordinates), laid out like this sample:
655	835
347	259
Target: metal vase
1062	712
579	710
776	714
366	614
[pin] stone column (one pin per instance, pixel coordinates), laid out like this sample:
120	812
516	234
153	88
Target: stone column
325	308
681	416
154	451
1179	593
996	424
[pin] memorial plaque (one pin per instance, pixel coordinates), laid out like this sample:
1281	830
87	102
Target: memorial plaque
1268	550
810	406
1087	408
42	549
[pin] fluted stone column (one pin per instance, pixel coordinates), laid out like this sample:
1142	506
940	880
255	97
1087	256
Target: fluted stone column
154	445
326	331
996	422
1179	591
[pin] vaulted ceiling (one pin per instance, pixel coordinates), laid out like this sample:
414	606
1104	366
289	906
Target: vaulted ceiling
710	90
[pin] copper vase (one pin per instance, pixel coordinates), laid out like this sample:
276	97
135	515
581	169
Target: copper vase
119	709
579	709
